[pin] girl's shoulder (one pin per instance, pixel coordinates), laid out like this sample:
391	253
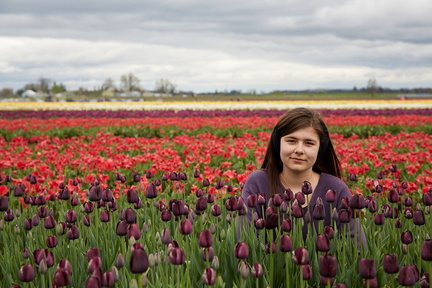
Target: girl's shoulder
332	182
257	176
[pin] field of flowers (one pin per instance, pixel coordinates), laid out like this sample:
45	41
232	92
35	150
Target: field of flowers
125	197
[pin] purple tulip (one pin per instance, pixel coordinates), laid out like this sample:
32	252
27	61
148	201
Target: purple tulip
426	250
65	264
271	221
259	223
306	188
207	254
134	231
427	198
379	219
28	224
74	201
241	250
407	201
318	212
285	243
73	233
136	177
95	193
94	263
297	211
322	243
252	200
93	282
151	191
408	275
25	253
185	227
300	256
108	279
328	266
209	276
205	238
201	203
330	196
132	196
107	195
306	271
120	262
329	231
176	256
178	207
286	225
367	268
166	236
257	270
357	202
418	217
4	203
372	206
371	283
271	247
300	197
216	210
104	216
71	216
406	237
51	241
8	215
393	196
92	253
49	222
390	263
64	194
398	223
138	261
26	273
344	215
43	255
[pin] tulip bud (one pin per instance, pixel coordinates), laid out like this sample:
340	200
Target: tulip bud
8	215
107	195
286	224
318	212
207	254
216	210
306	188
132	196
136	177
344	215
4	203
151	191
371	283
243	269
71	216
329	231
357	202
108	279
379	219
166	236
393	196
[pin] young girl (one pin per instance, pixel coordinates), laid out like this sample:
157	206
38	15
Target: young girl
300	158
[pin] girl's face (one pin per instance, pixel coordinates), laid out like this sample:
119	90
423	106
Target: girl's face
299	150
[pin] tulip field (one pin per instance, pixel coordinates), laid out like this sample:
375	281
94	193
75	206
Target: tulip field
117	196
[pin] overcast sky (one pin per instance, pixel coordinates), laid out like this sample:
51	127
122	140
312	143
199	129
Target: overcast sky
219	45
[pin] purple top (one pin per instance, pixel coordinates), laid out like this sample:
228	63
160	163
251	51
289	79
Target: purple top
258	182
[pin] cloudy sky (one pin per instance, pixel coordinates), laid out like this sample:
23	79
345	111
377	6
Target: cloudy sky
203	46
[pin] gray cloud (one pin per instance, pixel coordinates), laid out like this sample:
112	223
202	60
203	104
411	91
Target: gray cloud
216	45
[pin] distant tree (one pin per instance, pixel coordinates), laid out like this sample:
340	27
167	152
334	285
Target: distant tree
355	89
31	86
58	88
165	86
6	92
372	86
44	84
108	84
129	82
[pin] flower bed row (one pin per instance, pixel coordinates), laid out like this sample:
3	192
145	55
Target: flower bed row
104	210
186	113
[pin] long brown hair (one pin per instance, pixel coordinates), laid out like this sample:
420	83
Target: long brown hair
299	118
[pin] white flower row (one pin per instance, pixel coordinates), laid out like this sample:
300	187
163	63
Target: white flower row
223	105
